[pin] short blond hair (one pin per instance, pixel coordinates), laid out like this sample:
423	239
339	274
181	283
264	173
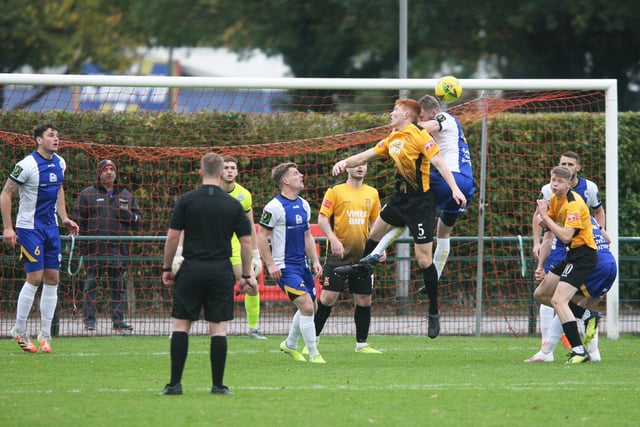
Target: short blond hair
212	165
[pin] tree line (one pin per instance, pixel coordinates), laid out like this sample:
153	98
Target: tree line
340	38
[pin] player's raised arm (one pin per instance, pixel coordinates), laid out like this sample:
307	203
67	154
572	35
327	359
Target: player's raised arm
353	161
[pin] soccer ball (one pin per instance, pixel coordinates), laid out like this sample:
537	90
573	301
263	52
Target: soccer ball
448	89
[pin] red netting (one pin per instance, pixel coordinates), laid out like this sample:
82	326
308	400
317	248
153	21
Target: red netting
526	132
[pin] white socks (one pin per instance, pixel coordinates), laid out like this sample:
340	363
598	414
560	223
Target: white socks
387	239
25	302
441	254
303	325
593	345
308	330
555	331
553	335
48	302
546	316
294	331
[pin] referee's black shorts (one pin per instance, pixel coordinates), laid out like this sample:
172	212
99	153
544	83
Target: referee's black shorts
204	285
416	211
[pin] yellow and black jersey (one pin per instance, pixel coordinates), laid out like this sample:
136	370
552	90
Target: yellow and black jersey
352	211
571	211
411	149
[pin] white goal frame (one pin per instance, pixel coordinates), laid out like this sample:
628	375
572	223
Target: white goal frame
609	86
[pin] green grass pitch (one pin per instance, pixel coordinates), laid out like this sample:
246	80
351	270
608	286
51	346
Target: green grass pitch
449	381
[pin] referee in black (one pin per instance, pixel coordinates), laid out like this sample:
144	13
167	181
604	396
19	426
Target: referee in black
208	217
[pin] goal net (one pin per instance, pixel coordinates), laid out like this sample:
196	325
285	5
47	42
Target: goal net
156	129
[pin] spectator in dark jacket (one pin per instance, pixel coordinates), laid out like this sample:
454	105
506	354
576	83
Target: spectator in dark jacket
105	209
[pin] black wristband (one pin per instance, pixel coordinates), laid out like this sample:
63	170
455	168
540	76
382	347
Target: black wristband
246	277
166	269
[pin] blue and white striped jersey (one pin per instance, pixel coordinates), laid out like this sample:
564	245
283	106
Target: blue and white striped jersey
39	180
453	144
288	221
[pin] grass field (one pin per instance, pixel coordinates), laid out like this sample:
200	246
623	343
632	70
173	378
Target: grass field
449	381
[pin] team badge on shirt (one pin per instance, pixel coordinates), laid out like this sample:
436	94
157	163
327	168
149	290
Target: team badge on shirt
16	171
326	203
266	217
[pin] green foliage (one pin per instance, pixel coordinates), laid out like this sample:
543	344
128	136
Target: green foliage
65	33
512	152
447	381
338	38
629	182
358	38
174	23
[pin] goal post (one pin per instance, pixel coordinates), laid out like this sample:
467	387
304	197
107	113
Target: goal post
488	101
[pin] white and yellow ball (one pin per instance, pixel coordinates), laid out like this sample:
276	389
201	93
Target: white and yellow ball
448	89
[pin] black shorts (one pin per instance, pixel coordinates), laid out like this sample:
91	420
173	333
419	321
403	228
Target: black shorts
418	212
577	266
204	285
361	284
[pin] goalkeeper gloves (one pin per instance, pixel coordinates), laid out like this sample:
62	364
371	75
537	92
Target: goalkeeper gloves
177	261
256	262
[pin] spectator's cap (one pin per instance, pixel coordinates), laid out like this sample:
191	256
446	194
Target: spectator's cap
103	164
